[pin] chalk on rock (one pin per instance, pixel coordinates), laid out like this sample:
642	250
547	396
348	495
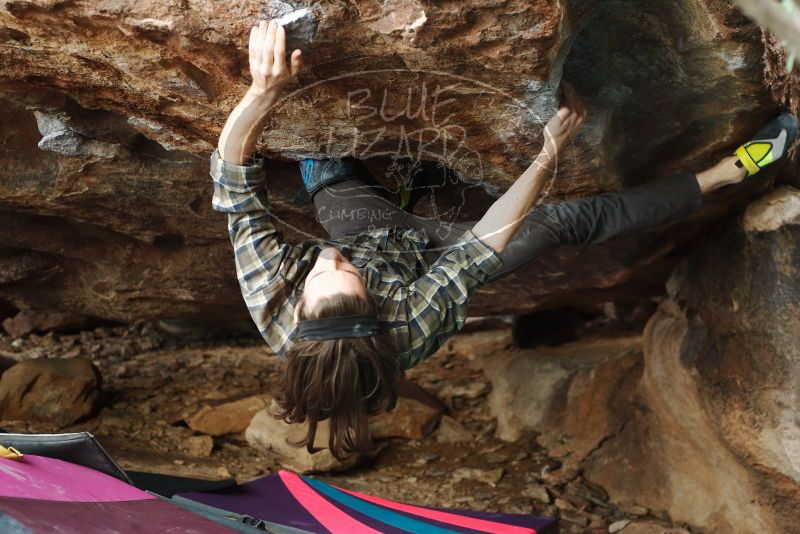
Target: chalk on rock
300	24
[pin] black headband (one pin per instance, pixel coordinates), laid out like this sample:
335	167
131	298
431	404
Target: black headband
337	327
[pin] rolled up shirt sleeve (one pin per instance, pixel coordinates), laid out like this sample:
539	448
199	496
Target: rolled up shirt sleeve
436	304
263	263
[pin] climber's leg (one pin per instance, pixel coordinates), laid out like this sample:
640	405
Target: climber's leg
579	222
597	218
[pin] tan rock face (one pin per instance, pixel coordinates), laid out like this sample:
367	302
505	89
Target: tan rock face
112	108
569	394
698	417
717	434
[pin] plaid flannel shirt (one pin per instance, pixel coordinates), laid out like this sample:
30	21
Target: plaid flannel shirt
420	304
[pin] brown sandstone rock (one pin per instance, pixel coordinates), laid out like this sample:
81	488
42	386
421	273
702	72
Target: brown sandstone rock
717	432
199	446
451	431
273	435
28	321
651	527
574	395
57	391
487	476
112	109
414	417
227	418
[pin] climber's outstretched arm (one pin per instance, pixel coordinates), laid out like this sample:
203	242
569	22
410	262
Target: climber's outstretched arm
270	73
504	217
267	268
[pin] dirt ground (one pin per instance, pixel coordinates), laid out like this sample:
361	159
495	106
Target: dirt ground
153	380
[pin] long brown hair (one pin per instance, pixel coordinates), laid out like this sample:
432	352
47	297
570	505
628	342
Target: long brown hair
342	380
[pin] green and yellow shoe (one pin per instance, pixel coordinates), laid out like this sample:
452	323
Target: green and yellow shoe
769	145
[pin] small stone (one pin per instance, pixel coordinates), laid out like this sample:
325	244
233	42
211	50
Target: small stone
425	459
586	490
618	526
564	504
538	493
652	527
199	446
471	390
451	431
414	417
561	476
498	458
597	522
575	518
490	476
551	466
578	502
633	509
227	418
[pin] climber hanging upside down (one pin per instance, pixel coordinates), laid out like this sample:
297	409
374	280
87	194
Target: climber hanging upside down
351	314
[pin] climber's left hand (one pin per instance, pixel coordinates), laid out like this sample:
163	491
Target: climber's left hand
565	124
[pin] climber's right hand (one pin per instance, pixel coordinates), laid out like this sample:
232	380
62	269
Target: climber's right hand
268	59
564	125
239	136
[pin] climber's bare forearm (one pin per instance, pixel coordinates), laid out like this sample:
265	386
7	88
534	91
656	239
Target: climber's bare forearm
269	71
503	218
240	134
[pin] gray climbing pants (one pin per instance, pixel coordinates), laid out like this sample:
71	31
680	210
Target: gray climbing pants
583	221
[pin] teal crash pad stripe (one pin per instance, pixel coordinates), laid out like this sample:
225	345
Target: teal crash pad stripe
376	512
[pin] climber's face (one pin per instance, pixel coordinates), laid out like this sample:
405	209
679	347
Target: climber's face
332	274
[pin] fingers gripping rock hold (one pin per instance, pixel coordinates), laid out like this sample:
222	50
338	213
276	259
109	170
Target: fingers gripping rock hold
300	24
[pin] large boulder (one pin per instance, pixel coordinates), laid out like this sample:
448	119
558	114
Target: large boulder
698	416
716	440
112	109
575	395
58	391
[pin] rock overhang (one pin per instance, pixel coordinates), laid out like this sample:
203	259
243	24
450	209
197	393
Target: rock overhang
668	88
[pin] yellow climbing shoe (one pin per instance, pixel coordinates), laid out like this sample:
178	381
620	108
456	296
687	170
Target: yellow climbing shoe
769	145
